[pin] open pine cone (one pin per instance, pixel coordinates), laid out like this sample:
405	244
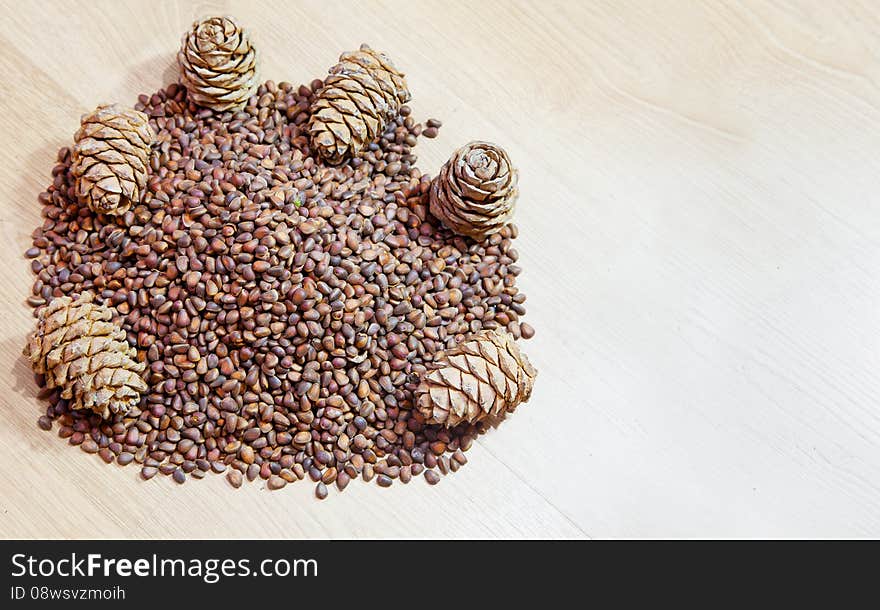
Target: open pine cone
485	375
79	349
475	192
362	94
218	64
110	158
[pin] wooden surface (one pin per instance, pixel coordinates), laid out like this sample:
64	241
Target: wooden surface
700	236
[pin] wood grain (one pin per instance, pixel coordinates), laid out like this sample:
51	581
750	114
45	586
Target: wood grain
699	233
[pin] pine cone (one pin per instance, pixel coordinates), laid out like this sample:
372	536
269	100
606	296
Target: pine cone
475	192
111	157
218	64
485	375
363	93
80	350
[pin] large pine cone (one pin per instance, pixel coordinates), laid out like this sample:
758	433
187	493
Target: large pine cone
485	375
218	64
80	350
363	93
111	157
475	192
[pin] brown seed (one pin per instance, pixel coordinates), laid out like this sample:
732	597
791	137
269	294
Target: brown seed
234	477
329	476
526	330
179	476
323	457
44	423
275	482
106	455
89	446
383	480
432	477
321	491
307	228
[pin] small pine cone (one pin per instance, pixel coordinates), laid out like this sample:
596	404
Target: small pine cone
486	375
111	158
80	350
218	64
475	192
363	93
